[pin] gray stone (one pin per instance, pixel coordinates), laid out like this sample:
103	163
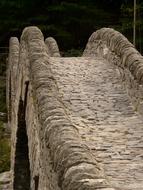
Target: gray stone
76	122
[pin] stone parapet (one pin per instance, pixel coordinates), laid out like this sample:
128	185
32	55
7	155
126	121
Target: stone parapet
52	47
116	48
70	117
11	89
61	148
12	66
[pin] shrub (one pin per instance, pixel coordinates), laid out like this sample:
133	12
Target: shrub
4	150
73	53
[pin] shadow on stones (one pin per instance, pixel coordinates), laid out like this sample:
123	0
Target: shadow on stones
22	166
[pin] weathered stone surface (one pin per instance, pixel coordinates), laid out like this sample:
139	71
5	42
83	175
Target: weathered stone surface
73	119
11	89
114	47
5	181
100	108
52	47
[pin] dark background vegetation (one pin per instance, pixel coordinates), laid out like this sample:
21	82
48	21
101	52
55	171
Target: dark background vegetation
70	22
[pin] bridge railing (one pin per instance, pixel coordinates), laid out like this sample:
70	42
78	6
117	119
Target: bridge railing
58	157
52	47
72	162
116	48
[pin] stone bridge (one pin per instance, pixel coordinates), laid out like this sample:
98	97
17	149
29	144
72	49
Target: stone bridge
76	121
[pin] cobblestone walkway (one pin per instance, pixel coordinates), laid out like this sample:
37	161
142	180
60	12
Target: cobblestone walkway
96	102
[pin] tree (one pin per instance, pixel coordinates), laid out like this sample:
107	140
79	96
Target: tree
127	12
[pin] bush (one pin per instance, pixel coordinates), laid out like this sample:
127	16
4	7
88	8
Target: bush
4	150
4	155
2	94
1	129
73	53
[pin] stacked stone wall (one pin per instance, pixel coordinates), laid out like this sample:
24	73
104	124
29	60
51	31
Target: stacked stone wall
58	157
116	48
52	47
66	162
12	101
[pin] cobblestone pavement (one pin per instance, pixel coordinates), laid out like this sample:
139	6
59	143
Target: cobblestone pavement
96	102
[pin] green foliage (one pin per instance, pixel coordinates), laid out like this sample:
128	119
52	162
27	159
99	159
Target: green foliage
4	155
2	96
4	150
2	100
126	19
75	21
3	83
1	129
70	22
4	142
73	53
3	58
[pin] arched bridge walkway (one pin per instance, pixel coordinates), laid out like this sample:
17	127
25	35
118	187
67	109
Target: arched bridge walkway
81	117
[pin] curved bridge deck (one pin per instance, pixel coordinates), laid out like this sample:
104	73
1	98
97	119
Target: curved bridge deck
75	121
96	102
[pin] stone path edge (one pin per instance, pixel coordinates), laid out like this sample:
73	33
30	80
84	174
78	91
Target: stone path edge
72	159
